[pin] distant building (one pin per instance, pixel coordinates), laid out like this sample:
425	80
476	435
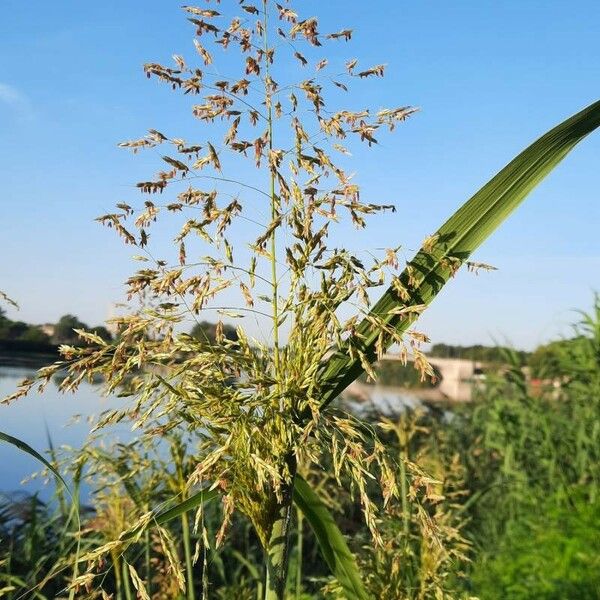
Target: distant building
48	328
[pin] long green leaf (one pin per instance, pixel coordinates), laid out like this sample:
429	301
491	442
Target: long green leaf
24	447
331	540
190	503
454	242
244	561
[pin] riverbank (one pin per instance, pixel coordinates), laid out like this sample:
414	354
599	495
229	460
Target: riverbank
26	353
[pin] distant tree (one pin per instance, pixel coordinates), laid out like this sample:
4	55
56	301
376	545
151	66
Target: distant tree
35	334
15	329
19	330
478	352
207	331
394	373
553	359
64	334
4	324
103	332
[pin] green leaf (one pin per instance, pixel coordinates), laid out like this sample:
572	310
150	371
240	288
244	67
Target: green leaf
244	561
192	502
331	540
24	447
454	242
201	497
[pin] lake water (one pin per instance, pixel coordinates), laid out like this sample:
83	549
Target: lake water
33	418
36	416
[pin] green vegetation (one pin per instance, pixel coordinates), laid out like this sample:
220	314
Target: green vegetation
18	330
550	360
479	353
550	553
247	432
19	336
534	464
394	373
514	483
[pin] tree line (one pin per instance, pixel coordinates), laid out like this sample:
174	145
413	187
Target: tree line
61	332
543	362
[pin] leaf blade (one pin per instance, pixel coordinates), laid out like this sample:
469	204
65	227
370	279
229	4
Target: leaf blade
458	237
201	497
195	500
331	540
25	447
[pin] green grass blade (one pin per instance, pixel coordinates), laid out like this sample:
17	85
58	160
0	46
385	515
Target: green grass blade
475	221
244	561
190	503
24	447
331	541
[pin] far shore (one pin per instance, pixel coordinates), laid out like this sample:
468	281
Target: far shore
30	358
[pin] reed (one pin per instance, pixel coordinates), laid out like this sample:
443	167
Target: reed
512	508
258	408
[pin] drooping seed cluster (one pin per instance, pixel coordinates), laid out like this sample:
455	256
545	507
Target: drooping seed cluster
258	249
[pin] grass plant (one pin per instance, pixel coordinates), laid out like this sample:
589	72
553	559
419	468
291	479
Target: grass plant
258	409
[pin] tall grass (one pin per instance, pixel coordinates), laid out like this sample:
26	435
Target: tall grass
258	411
512	513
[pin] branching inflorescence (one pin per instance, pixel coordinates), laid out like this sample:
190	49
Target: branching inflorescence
255	405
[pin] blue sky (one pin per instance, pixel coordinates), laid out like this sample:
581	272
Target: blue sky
489	78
